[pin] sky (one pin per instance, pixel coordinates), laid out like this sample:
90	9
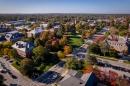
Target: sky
65	6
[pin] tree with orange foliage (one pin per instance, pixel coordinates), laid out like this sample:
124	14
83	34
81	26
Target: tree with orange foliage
34	25
44	35
63	41
67	49
88	69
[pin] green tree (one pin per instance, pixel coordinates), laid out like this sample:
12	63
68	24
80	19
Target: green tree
30	39
50	24
26	66
107	34
75	64
1	49
94	48
123	33
2	81
7	44
78	26
92	59
39	51
6	51
13	54
67	26
39	54
37	42
113	53
59	33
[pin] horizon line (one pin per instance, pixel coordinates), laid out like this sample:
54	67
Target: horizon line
65	13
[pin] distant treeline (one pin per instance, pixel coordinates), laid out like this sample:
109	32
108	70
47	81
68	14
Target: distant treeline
13	17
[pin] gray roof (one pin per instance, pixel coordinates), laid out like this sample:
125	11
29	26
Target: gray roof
72	81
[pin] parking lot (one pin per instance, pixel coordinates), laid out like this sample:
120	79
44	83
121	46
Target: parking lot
49	77
13	77
54	74
81	52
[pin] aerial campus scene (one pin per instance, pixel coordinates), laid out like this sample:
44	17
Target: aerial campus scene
64	42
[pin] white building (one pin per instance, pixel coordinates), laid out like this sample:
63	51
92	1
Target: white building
118	45
44	25
35	32
22	27
13	36
24	49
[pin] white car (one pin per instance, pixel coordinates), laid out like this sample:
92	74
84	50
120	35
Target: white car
121	61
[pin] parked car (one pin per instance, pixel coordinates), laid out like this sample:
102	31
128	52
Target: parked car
13	76
11	61
5	56
7	59
2	71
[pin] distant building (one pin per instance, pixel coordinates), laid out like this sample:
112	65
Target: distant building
99	39
34	33
23	27
17	23
119	43
4	28
56	26
24	49
2	38
44	25
13	36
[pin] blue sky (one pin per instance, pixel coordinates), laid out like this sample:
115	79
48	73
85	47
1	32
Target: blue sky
64	6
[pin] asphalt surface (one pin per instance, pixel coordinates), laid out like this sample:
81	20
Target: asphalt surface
115	63
53	75
19	79
120	68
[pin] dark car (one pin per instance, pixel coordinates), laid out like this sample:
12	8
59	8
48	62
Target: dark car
3	71
5	56
11	61
13	76
13	85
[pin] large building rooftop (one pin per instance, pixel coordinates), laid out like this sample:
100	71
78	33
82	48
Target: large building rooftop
72	81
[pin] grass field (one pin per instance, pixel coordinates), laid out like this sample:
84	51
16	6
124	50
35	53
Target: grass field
75	41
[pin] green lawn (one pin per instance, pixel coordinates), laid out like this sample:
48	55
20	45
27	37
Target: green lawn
16	65
75	41
44	68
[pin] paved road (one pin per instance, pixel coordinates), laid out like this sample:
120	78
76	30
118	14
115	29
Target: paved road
82	51
115	63
20	81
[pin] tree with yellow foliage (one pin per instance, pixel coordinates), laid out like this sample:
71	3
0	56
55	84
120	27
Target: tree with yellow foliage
60	54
